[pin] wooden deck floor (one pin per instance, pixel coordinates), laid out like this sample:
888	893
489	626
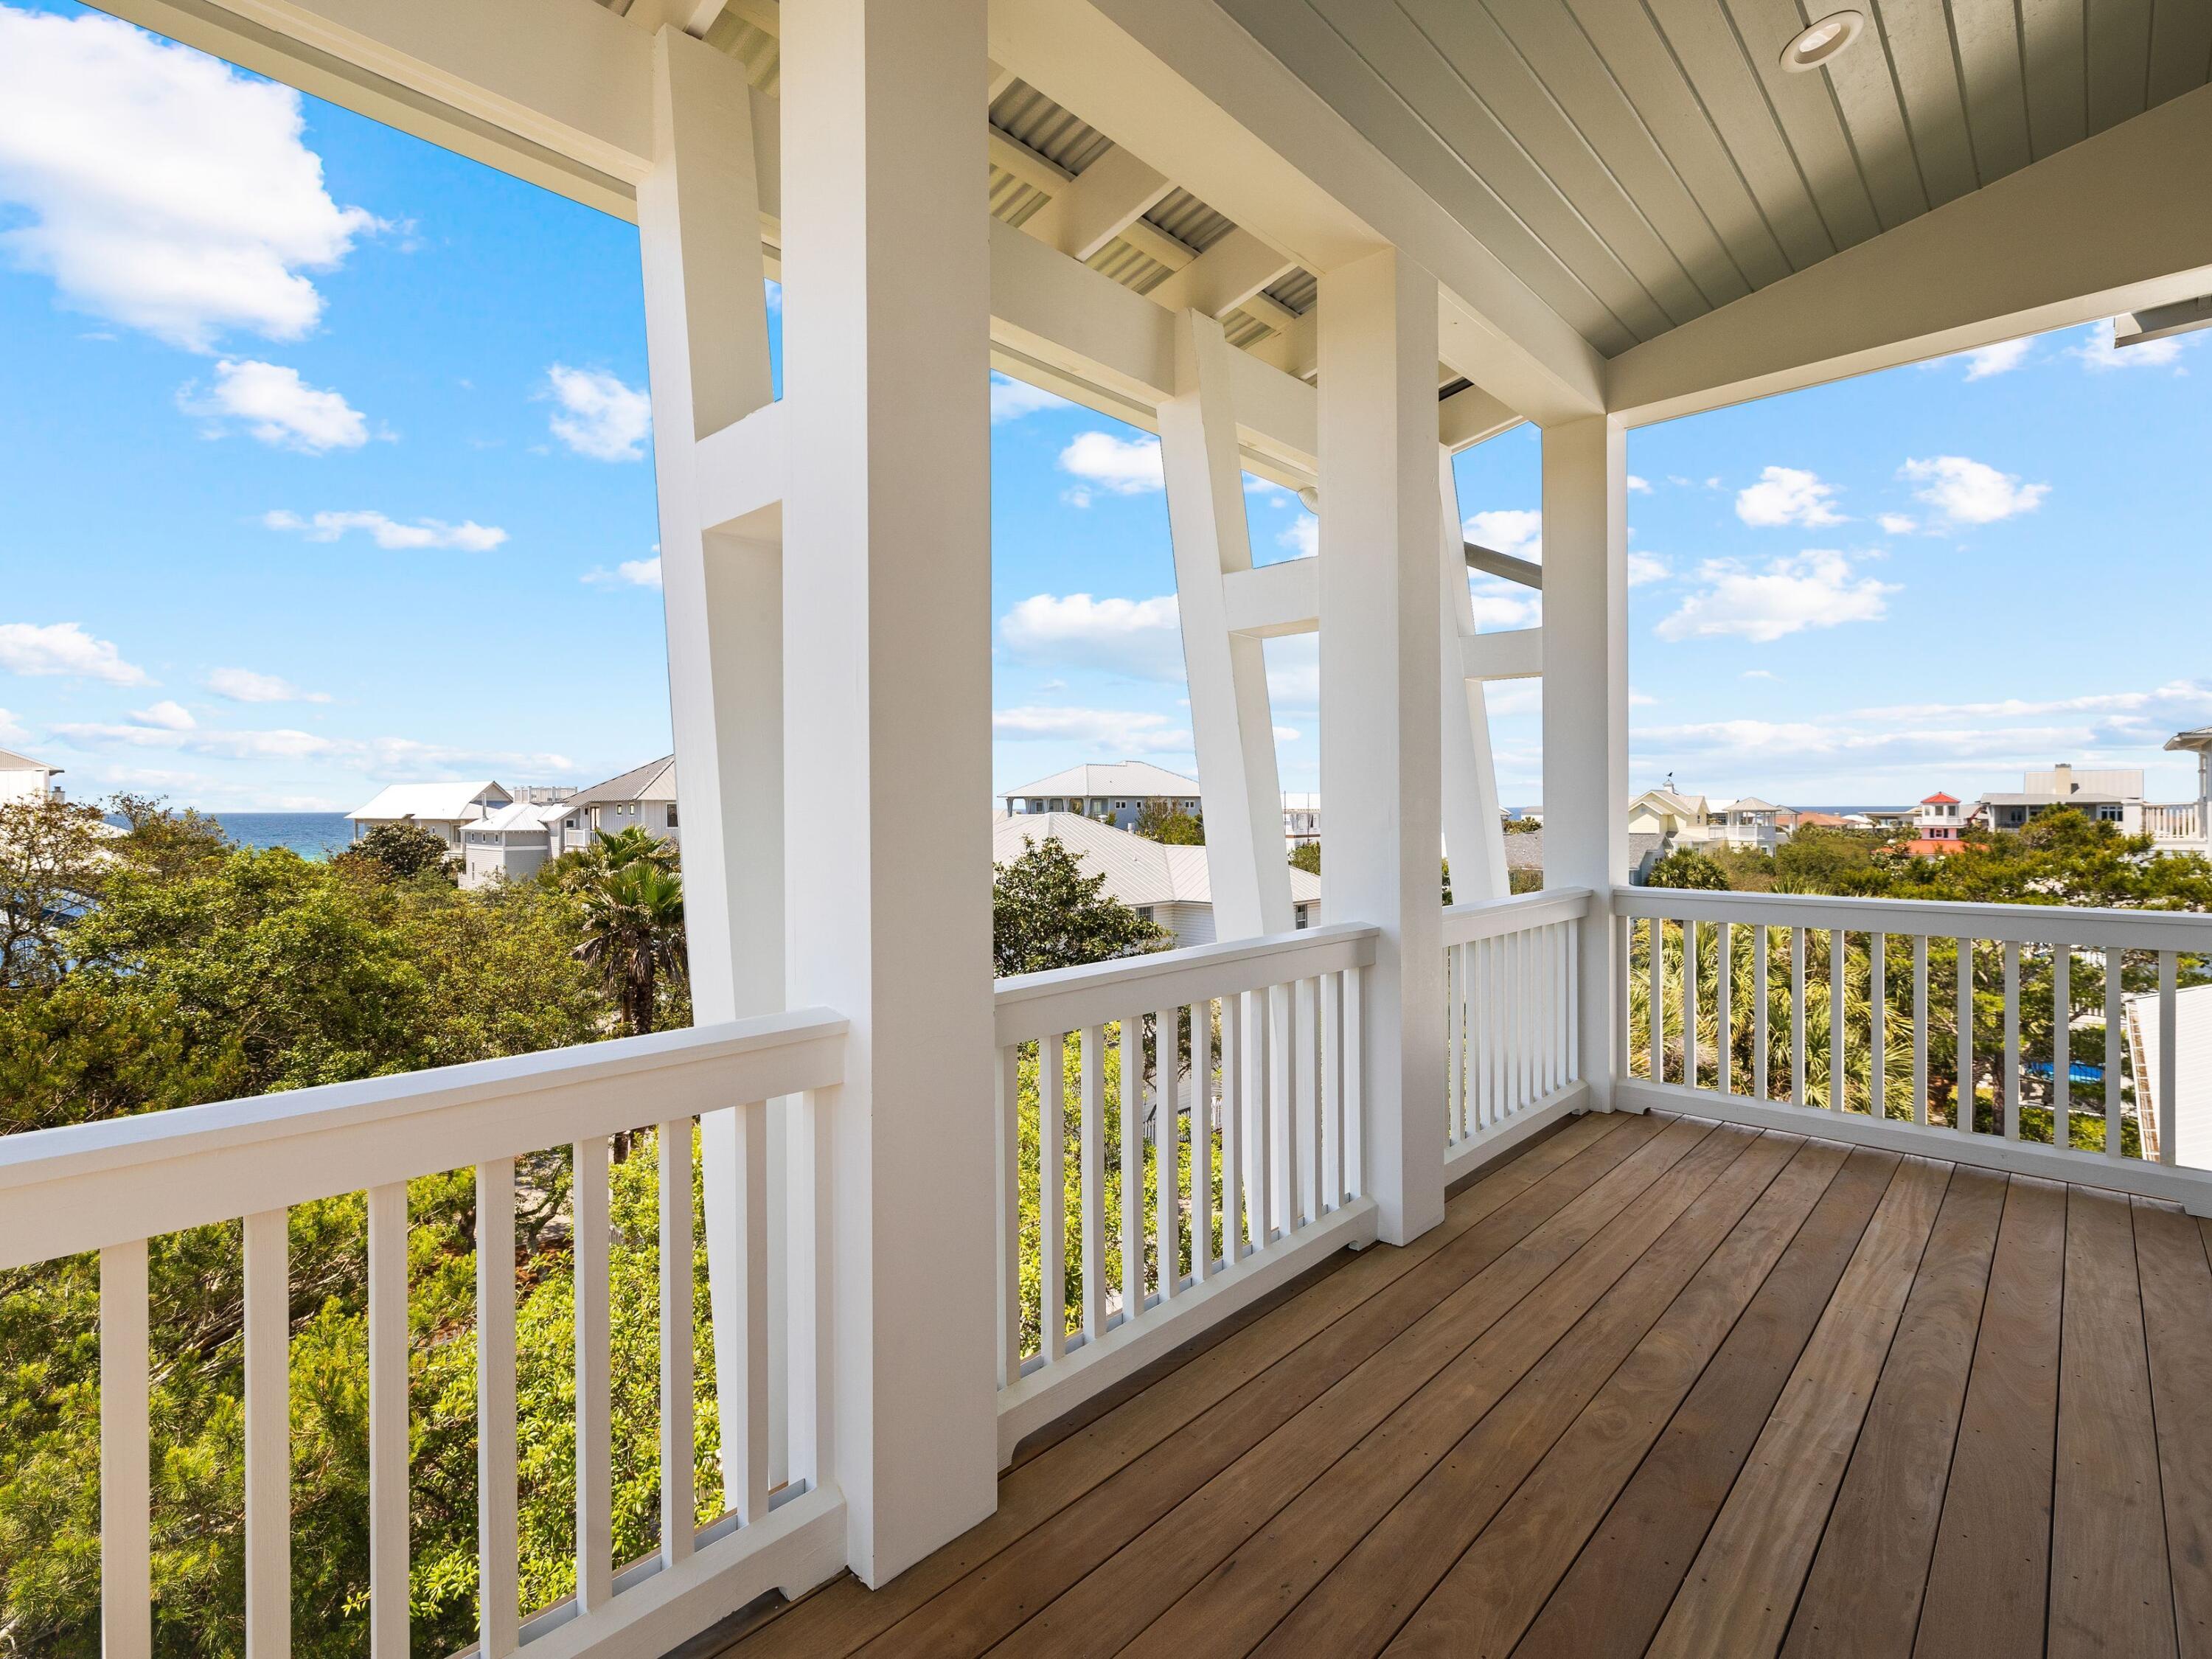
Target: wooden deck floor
1655	1387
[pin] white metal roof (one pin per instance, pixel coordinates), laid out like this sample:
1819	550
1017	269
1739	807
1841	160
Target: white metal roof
655	780
1131	779
1137	871
435	803
12	762
523	817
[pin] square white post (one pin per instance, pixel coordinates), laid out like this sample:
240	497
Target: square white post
887	682
1586	707
1380	703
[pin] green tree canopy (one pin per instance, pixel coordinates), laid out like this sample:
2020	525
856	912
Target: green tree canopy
401	852
1046	913
1164	822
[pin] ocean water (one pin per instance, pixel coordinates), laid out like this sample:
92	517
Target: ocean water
311	835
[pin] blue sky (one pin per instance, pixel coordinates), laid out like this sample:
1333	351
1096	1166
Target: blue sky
326	464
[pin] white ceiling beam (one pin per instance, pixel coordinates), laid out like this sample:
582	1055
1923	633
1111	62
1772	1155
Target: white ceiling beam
1270	600
1469	416
2110	225
559	91
1180	82
1225	275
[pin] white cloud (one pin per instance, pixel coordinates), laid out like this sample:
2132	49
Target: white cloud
1897	524
9	729
630	573
1140	638
158	187
1999	359
244	685
469	536
1126	466
1638	486
1502	605
1815	589
1011	399
169	716
1971	492
1294	672
379	757
1758	674
1788	495
1286	734
65	648
599	415
1647	567
2096	351
276	406
1508	530
1302	535
1127	731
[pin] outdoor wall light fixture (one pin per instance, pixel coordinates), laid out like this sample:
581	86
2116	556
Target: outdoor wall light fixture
1818	42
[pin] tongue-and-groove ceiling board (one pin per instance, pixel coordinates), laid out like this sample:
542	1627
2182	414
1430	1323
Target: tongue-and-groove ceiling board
1639	162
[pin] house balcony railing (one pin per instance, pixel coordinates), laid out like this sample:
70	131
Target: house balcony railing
2182	821
1216	1120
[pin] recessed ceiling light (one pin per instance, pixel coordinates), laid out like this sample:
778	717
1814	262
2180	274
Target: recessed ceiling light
1821	41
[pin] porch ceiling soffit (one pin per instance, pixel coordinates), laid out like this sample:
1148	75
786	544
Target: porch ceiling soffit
2114	223
1181	85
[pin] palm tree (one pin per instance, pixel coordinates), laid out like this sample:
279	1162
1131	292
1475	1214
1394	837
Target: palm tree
633	931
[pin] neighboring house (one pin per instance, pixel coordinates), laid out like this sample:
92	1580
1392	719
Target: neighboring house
1746	824
1169	885
511	845
1115	792
1939	827
643	796
442	808
2192	1055
1301	818
23	778
1789	821
1667	812
2113	797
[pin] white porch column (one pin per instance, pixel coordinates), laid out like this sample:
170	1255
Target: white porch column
1380	694
1474	835
888	704
1232	725
1586	704
707	338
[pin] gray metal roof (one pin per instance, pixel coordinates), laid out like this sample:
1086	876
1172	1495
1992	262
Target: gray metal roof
655	780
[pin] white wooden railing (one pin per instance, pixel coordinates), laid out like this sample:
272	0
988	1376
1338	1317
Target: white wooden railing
2179	822
1760	1043
112	1186
1234	1071
1511	1020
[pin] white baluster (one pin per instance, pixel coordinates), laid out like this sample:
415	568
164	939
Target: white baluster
595	1583
1689	1004
1920	1029
2011	957
679	1503
1232	1139
747	1451
1202	1141
1133	1165
387	1422
1878	1027
1052	1196
499	1550
1762	941
1840	1068
1167	1200
1798	1009
1962	1100
268	1436
2061	1047
126	1620
2167	1070
2115	964
1092	1086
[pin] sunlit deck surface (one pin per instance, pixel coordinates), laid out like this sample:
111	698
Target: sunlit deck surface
1655	1386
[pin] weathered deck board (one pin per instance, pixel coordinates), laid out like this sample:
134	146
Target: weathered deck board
2110	1591
1654	1386
1988	1584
